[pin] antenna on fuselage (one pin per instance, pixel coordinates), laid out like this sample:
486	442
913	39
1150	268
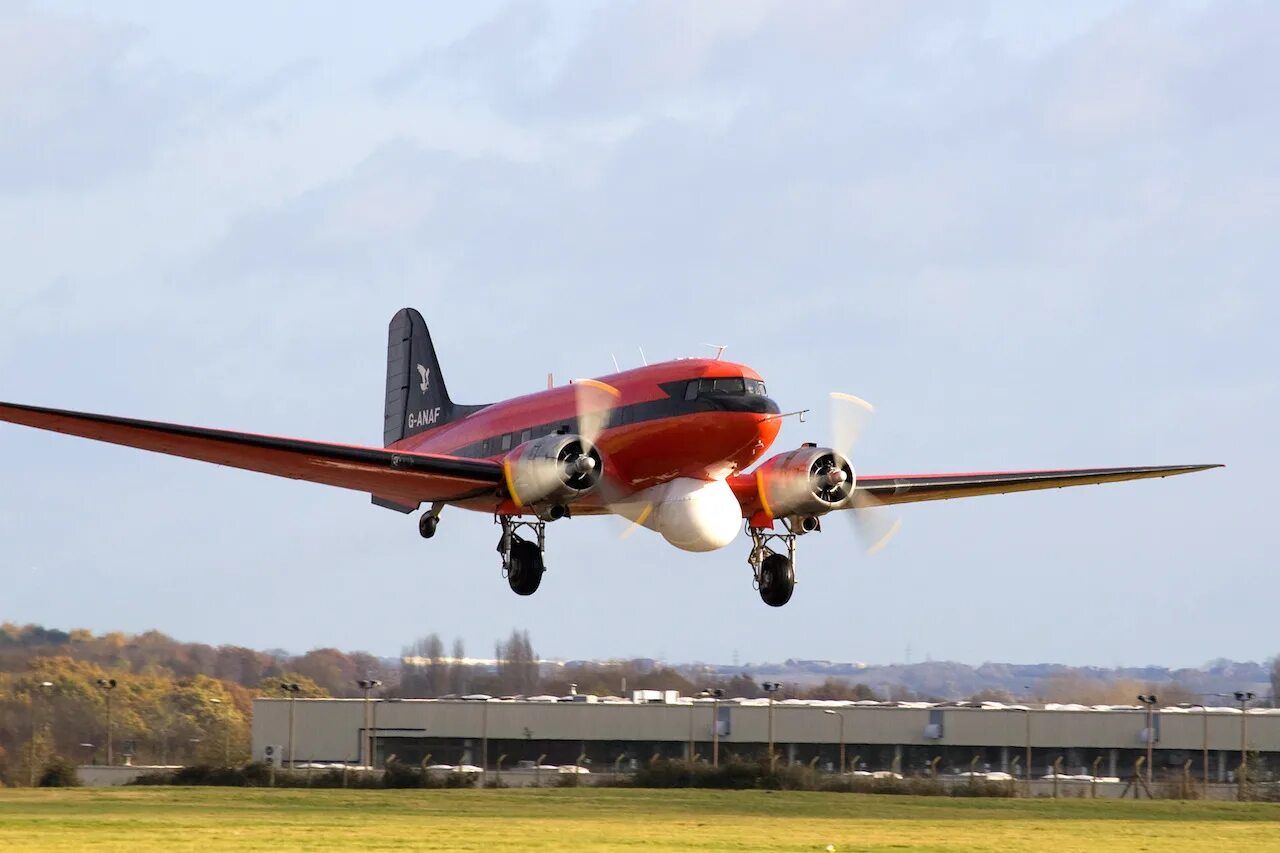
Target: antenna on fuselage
551	381
642	358
616	369
719	348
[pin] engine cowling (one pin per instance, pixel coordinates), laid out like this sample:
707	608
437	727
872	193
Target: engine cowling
554	469
806	482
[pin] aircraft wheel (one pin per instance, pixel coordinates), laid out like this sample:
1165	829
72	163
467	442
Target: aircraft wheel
777	580
427	525
525	573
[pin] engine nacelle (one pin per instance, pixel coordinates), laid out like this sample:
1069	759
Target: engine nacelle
806	482
554	469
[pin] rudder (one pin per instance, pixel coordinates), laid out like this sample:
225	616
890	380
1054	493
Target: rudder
417	399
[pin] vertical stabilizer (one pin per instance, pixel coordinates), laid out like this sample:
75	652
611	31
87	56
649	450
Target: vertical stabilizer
417	399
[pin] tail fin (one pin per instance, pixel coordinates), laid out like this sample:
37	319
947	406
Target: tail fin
417	399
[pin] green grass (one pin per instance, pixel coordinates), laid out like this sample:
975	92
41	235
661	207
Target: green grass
208	819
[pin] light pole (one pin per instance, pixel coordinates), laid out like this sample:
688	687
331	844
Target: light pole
31	757
771	687
367	685
688	756
292	689
840	717
1243	698
226	731
109	685
715	695
484	743
1204	743
1027	712
1150	702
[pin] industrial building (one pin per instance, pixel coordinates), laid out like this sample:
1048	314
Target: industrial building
909	737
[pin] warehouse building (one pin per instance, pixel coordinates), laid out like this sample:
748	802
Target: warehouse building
908	737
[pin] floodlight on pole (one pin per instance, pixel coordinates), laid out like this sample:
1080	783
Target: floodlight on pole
368	685
31	756
840	716
771	687
1243	698
226	731
292	689
1204	742
1149	701
715	694
109	685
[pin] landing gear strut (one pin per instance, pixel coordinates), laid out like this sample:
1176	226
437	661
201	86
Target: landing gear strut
774	573
522	559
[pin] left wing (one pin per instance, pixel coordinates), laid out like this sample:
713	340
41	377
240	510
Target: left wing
395	477
909	488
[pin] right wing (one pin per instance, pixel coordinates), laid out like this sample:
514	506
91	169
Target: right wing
909	488
398	479
877	489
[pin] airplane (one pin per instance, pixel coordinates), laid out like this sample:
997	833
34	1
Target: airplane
668	446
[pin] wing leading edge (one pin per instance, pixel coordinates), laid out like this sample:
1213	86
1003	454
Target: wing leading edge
396	478
910	488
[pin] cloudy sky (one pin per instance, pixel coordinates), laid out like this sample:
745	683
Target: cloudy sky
1032	237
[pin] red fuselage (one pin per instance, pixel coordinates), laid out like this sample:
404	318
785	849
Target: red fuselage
702	419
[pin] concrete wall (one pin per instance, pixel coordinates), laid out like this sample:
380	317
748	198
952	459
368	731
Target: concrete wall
102	775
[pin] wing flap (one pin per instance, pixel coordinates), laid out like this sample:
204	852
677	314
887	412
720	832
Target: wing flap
406	479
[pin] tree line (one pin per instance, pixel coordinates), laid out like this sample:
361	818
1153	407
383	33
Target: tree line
178	702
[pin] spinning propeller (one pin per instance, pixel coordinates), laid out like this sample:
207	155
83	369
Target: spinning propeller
873	523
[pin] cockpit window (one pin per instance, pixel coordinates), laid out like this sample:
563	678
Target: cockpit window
731	385
724	386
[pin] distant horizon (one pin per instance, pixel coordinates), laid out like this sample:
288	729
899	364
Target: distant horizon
1206	665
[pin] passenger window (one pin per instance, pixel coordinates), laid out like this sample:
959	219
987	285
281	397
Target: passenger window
734	385
691	390
506	441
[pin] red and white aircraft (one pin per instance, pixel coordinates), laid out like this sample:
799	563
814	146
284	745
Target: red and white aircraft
666	445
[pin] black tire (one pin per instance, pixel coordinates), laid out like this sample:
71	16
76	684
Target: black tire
427	525
525	573
777	580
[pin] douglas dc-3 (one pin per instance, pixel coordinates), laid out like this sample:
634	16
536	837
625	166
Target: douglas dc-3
667	446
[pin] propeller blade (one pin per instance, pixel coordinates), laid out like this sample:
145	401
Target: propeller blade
873	522
594	401
637	521
849	416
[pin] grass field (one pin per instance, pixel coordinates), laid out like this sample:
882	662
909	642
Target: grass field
610	820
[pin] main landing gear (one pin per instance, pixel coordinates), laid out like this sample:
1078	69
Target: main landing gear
522	559
774	573
429	521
